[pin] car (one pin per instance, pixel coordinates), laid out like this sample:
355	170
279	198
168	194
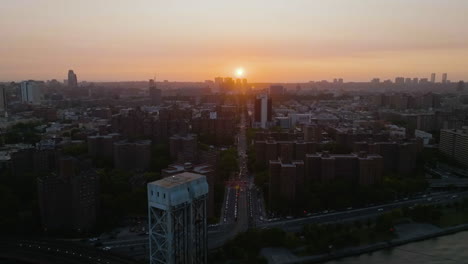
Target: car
429	199
349	208
106	248
93	239
380	210
289	217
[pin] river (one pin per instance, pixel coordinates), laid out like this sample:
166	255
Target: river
445	249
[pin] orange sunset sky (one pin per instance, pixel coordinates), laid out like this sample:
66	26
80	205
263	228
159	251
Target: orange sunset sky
274	40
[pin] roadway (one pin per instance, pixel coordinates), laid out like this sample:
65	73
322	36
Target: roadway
296	225
219	234
235	211
55	251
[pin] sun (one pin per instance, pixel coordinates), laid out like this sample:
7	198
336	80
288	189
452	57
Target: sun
240	72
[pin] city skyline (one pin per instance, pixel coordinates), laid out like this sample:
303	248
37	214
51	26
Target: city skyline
294	41
248	131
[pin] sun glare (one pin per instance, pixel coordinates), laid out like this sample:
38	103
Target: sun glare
240	72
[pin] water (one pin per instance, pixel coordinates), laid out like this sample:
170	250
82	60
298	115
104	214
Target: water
441	250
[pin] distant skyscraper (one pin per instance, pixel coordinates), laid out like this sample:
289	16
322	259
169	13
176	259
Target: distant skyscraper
154	93
375	80
262	111
238	82
423	81
3	99
399	80
461	86
415	80
433	77
218	80
228	84
30	92
444	78
408	80
72	79
218	84
177	219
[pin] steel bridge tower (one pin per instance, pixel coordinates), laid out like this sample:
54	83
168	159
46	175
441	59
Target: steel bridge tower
177	219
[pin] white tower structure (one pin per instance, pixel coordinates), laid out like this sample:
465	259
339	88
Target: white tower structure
262	111
177	219
30	92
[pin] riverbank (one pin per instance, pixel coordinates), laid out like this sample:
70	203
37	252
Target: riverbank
355	251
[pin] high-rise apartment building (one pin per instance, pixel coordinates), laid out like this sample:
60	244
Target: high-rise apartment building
433	77
262	111
183	147
362	168
400	80
132	156
177	219
68	200
3	100
444	78
218	81
454	143
154	93
312	132
30	92
72	79
102	146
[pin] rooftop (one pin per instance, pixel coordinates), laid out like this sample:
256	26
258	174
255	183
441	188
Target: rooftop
176	180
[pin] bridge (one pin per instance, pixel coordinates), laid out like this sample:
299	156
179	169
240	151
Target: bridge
48	251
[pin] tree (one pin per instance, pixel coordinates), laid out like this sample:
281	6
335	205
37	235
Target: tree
23	133
76	149
228	163
160	157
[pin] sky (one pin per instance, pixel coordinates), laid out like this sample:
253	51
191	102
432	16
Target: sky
272	40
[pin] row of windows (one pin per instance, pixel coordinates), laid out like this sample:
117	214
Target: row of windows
164	194
157	194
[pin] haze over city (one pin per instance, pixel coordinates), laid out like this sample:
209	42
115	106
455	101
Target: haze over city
274	40
248	131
